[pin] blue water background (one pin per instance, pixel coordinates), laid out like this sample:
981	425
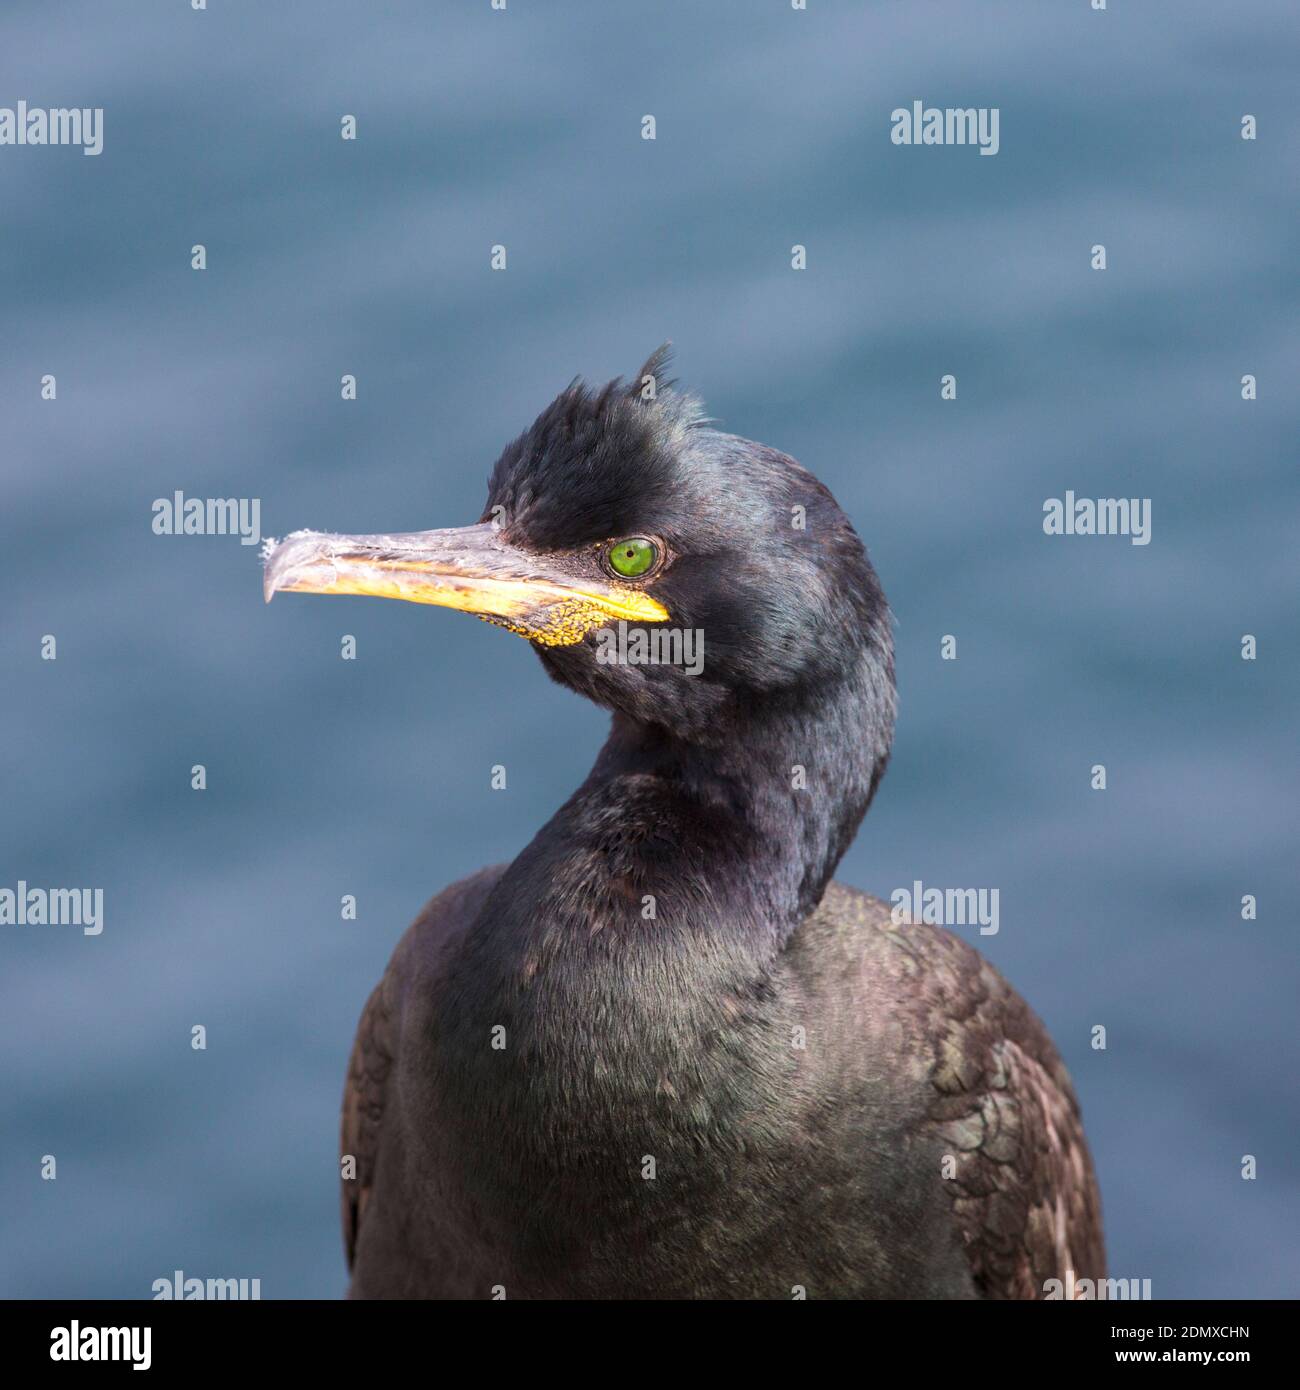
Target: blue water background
371	777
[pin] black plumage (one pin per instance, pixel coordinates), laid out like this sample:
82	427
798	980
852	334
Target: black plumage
764	1084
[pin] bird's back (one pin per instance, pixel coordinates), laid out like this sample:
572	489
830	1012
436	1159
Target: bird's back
983	1109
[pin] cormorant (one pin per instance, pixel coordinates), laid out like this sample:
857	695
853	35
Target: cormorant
661	1054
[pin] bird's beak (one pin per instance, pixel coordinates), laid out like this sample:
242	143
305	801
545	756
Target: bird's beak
466	567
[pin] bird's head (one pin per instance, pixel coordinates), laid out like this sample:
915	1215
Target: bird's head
675	574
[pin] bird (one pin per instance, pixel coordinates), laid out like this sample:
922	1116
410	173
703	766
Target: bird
663	1054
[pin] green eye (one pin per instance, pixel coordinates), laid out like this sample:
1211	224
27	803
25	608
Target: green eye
632	557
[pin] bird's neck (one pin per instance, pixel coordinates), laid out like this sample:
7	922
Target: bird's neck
627	958
738	835
697	857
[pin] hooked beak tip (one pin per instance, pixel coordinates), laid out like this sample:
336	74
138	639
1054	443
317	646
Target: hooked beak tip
268	583
281	557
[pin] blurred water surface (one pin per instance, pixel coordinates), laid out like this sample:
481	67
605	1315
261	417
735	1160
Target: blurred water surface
372	777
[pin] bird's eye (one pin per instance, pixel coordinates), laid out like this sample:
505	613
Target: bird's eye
632	557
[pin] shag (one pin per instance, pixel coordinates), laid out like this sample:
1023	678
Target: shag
661	1054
